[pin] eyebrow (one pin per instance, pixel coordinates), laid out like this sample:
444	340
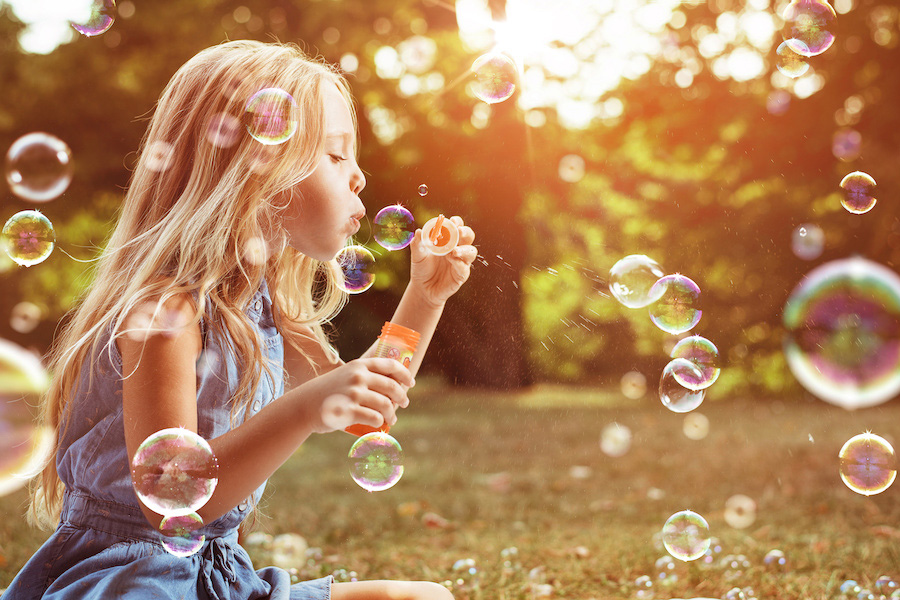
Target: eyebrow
341	135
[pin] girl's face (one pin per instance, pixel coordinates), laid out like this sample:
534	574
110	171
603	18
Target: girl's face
325	207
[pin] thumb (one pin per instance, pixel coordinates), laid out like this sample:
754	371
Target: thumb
417	248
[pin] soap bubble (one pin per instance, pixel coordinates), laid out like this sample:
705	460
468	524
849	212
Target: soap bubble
23	444
28	238
38	167
633	385
677	309
791	63
223	130
807	26
376	461
271	116
631	280
97	18
846	144
174	472
394	227
423	190
440	235
571	168
686	535
886	585
808	241
615	440
858	190
358	266
843	332
695	426
775	559
181	534
495	77
850	588
675	396
868	464
24	317
740	511
702	353
644	587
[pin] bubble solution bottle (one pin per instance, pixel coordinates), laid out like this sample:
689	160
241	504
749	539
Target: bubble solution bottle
395	342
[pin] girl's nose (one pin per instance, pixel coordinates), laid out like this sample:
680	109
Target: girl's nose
357	181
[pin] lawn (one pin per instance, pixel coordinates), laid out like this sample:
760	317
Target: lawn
488	471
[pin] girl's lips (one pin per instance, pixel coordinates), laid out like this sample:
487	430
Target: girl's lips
354	222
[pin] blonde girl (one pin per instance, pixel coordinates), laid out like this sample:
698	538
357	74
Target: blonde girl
207	312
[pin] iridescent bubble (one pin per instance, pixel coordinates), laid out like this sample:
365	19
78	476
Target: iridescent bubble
858	190
394	227
615	440
791	63
643	587
695	426
868	464
181	534
850	588
842	325
775	559
223	130
376	461
98	17
740	511
38	167
23	445
440	235
633	385
358	267
808	241
886	585
677	309
24	317
271	116
28	238
675	396
808	26
495	77
664	567
571	168
686	535
631	280
174	472
702	353
423	190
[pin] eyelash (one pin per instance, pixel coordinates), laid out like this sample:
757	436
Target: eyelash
337	158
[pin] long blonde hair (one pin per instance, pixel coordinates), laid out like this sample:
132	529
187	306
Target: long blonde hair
192	210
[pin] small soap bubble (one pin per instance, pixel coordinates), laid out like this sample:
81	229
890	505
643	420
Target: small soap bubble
571	168
664	567
24	317
632	278
643	587
775	559
704	354
615	440
846	144
886	585
495	77
675	396
271	116
633	385
223	130
808	26
28	238
182	535
740	511
867	464
174	472
394	227
38	167
858	190
358	266
376	461
790	63
686	535
466	573
808	241
423	190
97	18
677	309
695	426
440	235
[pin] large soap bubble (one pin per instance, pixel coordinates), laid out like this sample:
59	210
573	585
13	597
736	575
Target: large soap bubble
808	26
673	394
686	535
97	17
182	535
843	332
868	464
376	461
28	238
394	227
38	167
631	280
358	266
704	354
858	191
495	77
677	309
790	62
271	116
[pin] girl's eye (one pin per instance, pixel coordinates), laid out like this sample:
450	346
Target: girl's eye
337	157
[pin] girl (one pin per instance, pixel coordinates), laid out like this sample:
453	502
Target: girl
223	252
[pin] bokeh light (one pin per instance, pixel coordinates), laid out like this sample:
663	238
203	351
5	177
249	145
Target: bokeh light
495	77
808	241
615	440
376	461
358	266
695	426
704	354
182	535
868	464
271	116
633	385
686	535
677	309
632	278
174	472
858	192
28	238
808	26
223	130
672	393
843	332
394	227
38	167
740	511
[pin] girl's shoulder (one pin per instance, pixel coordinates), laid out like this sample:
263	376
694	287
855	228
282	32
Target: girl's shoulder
164	317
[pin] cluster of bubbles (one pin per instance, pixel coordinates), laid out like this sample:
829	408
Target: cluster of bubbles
885	588
174	473
807	32
376	461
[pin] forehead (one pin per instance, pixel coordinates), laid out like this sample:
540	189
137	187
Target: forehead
337	113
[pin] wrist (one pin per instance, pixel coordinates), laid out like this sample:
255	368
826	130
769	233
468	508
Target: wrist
418	296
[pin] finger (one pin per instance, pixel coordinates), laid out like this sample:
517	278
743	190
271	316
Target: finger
389	388
466	235
417	248
457	220
392	368
467	254
381	404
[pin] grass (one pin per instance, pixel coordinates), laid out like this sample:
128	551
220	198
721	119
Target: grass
498	468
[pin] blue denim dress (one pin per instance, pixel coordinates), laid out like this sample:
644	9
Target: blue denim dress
103	547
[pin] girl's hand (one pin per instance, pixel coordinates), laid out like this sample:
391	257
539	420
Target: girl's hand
365	390
439	277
